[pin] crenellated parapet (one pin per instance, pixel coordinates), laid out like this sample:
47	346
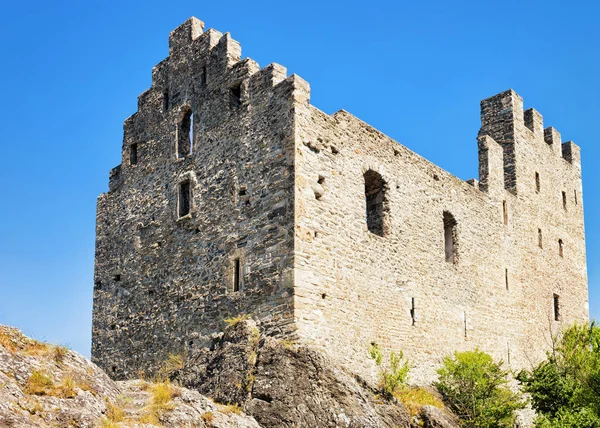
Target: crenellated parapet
523	139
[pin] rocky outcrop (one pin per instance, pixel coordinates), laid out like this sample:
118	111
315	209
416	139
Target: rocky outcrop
42	385
253	382
284	385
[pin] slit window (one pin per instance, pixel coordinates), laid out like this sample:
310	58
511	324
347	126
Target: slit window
540	239
450	241
185	134
133	154
165	101
537	182
560	247
203	76
184	199
564	200
237	275
556	302
376	203
505	212
235	95
506	278
413	314
575	195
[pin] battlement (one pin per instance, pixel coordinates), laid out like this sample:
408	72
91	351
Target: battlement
519	132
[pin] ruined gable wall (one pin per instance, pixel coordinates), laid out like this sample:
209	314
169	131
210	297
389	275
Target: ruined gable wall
164	283
353	287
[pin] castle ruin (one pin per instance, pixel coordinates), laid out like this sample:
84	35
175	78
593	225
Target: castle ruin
236	196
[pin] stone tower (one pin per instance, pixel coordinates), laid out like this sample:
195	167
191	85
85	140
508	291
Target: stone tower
237	196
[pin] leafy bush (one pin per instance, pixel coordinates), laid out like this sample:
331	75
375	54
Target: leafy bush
565	388
475	388
392	375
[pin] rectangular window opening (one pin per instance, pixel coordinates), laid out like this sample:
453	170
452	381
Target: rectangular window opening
505	212
450	238
575	195
235	95
413	311
564	200
560	247
506	278
184	198
165	101
133	154
540	239
237	275
556	307
465	324
203	76
537	182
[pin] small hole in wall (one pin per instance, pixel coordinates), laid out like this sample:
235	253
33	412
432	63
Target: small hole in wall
150	292
117	277
191	343
316	234
396	152
98	285
113	326
114	369
197	230
334	150
436	177
247	202
321	179
242	191
324	295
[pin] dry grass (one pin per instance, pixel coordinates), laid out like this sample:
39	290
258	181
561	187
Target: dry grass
162	394
107	423
35	348
174	362
7	341
59	352
415	398
39	383
228	409
207	417
114	412
233	321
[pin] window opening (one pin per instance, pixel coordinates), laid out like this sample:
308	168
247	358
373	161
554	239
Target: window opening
235	95
165	101
184	198
450	237
185	134
133	154
540	239
237	275
560	247
376	203
505	212
537	182
556	307
564	200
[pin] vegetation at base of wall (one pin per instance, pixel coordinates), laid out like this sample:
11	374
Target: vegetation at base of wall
173	363
230	408
475	388
392	375
414	398
565	388
41	383
233	321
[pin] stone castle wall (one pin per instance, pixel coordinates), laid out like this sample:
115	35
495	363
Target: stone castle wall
164	280
324	229
354	287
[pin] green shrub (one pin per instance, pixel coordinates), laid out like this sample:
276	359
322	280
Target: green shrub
475	388
392	375
565	388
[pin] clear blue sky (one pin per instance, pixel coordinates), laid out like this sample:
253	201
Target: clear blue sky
71	72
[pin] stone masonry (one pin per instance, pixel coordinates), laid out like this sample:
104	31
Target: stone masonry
237	196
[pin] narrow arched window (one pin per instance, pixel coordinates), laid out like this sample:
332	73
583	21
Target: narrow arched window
185	133
450	238
376	202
